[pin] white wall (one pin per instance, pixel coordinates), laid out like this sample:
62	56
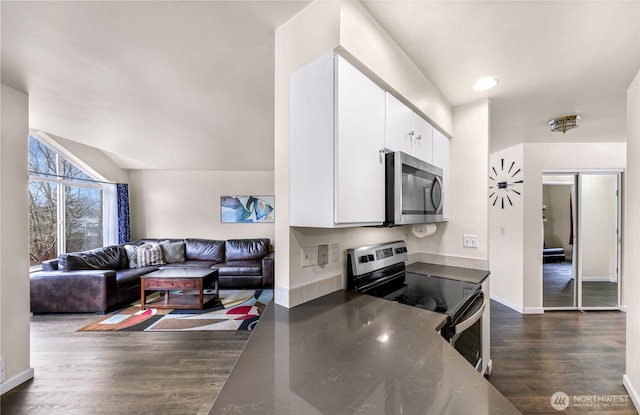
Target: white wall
631	245
524	231
506	239
179	204
309	34
318	29
542	157
14	239
468	191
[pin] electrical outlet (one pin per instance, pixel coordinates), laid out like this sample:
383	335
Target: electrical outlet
470	241
335	252
309	256
2	373
323	255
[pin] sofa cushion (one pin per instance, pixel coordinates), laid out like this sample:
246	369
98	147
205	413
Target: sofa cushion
157	240
241	249
172	251
190	263
127	278
204	250
248	267
101	258
149	254
132	255
237	281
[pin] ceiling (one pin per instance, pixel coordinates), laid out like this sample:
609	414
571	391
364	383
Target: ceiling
155	85
189	85
552	58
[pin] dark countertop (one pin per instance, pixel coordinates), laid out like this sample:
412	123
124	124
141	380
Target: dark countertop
445	271
348	353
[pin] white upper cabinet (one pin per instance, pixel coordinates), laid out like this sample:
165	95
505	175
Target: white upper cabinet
422	139
337	133
360	115
399	127
441	159
406	131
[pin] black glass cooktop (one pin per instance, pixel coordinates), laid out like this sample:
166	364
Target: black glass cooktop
437	294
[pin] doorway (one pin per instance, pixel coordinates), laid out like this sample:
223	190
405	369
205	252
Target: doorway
581	255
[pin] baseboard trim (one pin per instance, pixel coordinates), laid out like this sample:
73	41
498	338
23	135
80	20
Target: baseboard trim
635	398
533	310
507	303
17	380
597	279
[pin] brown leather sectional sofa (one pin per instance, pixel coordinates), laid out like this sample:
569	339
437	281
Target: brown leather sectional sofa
100	280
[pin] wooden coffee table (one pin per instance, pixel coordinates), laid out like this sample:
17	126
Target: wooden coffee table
190	281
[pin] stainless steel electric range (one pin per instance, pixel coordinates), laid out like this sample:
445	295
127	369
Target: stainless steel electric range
380	270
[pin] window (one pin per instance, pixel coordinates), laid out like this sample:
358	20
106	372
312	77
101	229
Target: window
65	205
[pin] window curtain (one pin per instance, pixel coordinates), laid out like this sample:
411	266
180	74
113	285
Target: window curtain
124	227
109	214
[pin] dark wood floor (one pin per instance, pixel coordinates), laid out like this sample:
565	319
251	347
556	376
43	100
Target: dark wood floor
578	353
558	289
558	286
85	373
121	373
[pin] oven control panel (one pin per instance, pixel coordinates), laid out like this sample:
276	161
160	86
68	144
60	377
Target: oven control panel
374	257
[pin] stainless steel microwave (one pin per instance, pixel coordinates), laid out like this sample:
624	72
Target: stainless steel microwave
414	191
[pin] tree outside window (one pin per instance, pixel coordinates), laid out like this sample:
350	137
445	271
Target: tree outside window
61	224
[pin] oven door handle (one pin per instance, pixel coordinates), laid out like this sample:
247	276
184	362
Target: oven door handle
459	328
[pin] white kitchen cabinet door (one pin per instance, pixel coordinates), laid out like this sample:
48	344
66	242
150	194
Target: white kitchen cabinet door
360	138
399	126
311	152
336	170
441	159
422	139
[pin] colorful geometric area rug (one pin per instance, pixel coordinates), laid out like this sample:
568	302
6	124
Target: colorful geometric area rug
234	310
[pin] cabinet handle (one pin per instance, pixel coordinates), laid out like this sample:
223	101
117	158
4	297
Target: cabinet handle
411	133
419	137
381	154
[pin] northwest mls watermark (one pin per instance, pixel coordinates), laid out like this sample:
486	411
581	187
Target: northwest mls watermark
561	401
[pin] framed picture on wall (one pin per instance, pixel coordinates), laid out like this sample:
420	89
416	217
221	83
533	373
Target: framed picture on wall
247	209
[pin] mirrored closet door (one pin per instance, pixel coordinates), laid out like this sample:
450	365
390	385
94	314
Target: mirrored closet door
581	253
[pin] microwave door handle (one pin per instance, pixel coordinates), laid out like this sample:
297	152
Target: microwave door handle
439	181
459	328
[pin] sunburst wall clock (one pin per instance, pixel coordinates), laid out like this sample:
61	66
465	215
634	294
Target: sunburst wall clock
504	183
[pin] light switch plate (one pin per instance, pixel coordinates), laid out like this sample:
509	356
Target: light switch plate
335	252
309	255
470	241
323	255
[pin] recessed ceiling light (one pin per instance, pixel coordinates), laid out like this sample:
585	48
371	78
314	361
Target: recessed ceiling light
485	83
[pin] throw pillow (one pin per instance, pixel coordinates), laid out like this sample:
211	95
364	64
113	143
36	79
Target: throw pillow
99	258
150	254
172	251
132	255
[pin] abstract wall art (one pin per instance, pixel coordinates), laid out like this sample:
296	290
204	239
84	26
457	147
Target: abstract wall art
247	209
